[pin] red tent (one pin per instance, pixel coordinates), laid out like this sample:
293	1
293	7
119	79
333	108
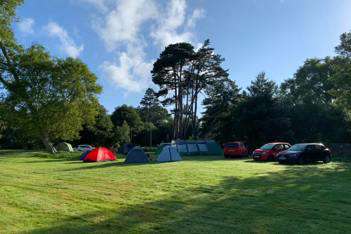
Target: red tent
100	154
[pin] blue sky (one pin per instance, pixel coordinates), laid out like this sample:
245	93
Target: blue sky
120	39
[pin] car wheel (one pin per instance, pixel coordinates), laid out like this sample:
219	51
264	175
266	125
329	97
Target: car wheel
226	156
327	159
301	160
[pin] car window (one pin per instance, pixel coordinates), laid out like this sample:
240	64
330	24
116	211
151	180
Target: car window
231	145
268	146
286	146
310	148
278	147
319	147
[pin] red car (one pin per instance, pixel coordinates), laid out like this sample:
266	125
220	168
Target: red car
269	151
235	149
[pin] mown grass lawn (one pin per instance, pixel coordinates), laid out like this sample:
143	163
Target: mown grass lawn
40	194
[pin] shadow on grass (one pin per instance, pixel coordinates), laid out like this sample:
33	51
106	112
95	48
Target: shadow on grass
101	165
299	199
61	156
11	153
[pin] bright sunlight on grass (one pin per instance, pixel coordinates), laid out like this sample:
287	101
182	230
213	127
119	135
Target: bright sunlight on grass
42	194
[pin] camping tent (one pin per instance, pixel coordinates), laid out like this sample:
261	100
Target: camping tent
64	146
190	148
136	155
84	154
99	154
168	154
161	146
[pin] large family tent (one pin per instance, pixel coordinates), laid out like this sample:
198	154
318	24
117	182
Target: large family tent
64	146
169	154
136	155
206	147
99	154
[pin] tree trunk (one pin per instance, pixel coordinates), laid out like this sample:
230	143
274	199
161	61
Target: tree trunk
150	137
48	145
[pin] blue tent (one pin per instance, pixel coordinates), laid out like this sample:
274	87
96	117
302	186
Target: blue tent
136	155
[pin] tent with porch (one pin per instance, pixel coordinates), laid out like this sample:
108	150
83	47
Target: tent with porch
168	154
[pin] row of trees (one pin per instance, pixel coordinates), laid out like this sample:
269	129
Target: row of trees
48	99
314	105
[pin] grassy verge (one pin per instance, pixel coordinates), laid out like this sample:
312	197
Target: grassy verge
42	193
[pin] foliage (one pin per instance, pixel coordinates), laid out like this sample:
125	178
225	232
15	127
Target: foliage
7	15
156	120
181	74
129	115
101	133
49	98
217	121
122	134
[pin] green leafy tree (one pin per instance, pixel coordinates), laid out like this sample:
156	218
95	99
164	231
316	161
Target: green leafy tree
344	48
154	116
49	98
181	74
101	132
122	133
7	15
261	115
217	121
311	83
129	115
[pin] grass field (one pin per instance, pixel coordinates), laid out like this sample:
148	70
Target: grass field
42	194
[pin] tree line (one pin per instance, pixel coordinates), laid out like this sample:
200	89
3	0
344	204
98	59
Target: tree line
44	99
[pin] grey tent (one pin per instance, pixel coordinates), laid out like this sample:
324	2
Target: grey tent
169	154
64	146
136	155
199	147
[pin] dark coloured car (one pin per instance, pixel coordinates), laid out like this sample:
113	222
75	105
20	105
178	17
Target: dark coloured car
235	149
268	152
306	152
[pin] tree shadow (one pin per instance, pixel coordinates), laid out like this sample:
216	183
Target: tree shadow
298	199
101	165
11	153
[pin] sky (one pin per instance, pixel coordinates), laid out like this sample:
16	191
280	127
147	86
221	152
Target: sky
120	39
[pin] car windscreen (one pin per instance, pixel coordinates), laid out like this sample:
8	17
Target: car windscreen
267	146
231	145
297	147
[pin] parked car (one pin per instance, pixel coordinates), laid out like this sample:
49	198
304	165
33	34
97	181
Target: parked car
84	147
235	149
269	151
306	152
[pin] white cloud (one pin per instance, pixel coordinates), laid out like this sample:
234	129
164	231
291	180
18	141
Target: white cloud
123	23
169	24
197	14
122	29
68	46
99	4
132	73
26	25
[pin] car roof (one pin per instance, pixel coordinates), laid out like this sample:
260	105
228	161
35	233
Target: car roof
234	142
310	144
278	142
